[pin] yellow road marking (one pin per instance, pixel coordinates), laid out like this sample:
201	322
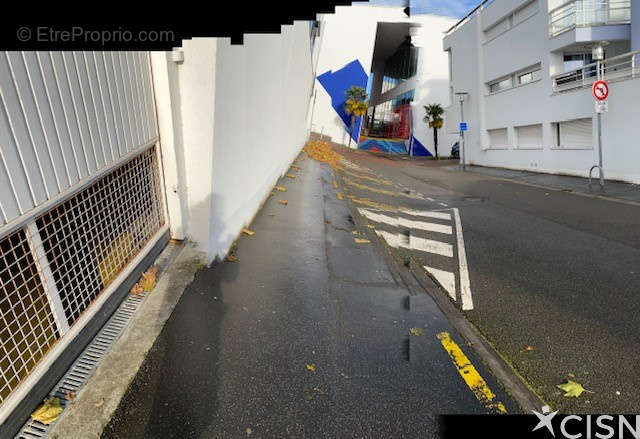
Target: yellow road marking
374	204
376	190
470	375
367	177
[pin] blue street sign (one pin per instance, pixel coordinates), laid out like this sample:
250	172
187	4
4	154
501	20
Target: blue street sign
463	126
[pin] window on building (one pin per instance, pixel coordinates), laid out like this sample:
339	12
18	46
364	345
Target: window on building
498	138
529	136
577	133
530	76
502	84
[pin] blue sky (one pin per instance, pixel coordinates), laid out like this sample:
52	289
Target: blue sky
450	8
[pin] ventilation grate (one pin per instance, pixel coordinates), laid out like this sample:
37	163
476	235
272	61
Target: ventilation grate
85	365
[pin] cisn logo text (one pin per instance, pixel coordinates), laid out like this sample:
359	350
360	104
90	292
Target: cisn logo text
590	426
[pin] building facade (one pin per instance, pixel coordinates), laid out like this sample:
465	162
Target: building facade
527	67
398	59
105	156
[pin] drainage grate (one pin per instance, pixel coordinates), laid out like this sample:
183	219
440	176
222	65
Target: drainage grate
84	366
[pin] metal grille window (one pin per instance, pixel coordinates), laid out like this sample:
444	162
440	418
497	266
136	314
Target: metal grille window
52	269
27	328
91	237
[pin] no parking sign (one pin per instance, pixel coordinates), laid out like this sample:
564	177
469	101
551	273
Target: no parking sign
600	90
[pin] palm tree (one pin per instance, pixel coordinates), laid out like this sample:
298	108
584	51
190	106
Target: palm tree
434	118
355	105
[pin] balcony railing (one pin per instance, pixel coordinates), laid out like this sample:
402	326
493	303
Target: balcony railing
580	13
617	68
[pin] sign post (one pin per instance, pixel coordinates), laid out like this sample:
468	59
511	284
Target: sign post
600	91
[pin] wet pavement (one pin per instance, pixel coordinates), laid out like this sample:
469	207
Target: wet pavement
553	277
307	335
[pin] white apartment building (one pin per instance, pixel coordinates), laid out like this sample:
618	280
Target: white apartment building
367	45
527	68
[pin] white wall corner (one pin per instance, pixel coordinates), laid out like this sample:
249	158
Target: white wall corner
167	102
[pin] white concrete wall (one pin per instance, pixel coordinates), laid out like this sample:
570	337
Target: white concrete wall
476	62
263	93
232	118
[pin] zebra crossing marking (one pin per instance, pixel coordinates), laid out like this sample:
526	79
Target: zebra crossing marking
445	278
465	284
404	222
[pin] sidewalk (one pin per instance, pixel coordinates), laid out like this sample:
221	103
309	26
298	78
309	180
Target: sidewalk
613	189
306	335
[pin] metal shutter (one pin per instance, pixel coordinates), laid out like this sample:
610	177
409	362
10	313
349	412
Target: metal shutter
576	133
498	138
529	136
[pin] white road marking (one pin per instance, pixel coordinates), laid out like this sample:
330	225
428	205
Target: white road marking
404	222
427	213
444	204
430	246
465	284
430	199
422	225
445	278
392	238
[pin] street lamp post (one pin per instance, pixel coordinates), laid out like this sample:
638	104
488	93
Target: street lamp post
461	97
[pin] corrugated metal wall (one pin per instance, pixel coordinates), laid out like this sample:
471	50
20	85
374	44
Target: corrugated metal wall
65	116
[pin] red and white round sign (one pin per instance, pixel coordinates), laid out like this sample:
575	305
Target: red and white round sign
600	89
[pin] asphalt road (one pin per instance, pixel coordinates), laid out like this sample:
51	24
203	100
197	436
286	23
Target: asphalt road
307	335
554	277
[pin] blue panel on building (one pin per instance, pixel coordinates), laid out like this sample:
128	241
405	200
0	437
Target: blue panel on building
418	148
383	145
336	83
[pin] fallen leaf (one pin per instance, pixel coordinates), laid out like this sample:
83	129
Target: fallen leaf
355	232
308	397
233	258
69	396
570	375
136	289
290	176
283	202
416	331
48	411
527	348
176	241
149	279
571	388
371	226
339	195
311	367
249	431
281	188
296	167
248	232
99	403
335	184
319	390
361	241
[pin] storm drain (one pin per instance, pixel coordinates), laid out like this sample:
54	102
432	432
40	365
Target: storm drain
86	364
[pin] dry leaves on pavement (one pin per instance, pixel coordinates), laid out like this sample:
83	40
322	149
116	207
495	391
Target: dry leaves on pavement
281	188
311	367
248	232
283	202
416	331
